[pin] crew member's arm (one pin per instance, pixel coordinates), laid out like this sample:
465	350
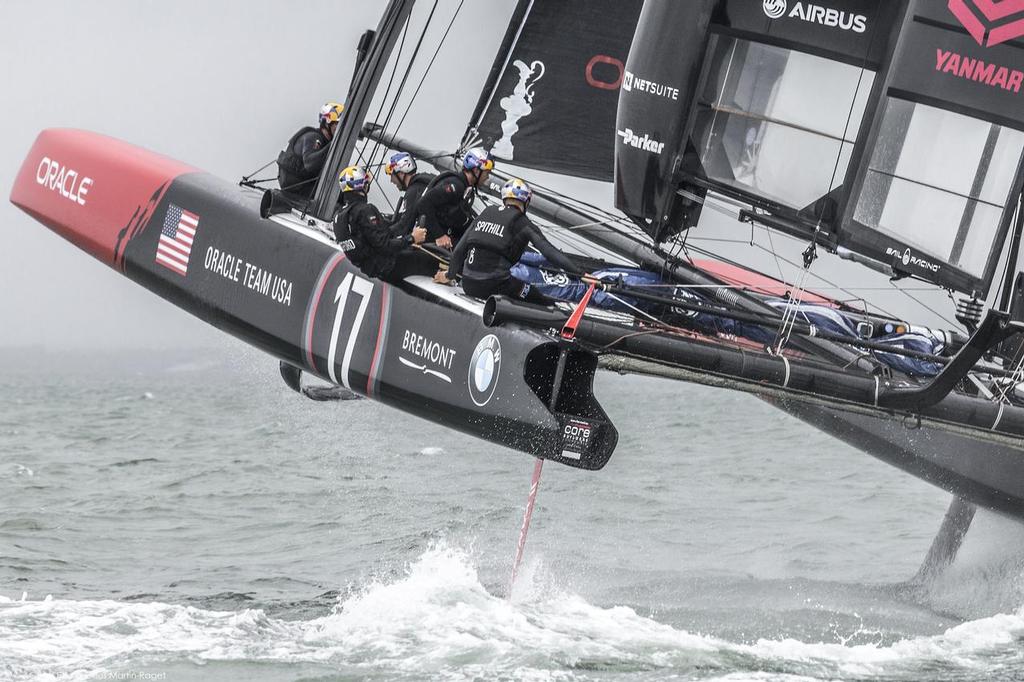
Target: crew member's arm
376	233
454	264
445	194
547	249
406	218
404	222
457	259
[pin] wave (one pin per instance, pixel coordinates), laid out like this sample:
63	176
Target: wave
438	620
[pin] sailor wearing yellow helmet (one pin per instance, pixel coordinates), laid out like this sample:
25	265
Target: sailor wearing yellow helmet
300	163
368	240
495	242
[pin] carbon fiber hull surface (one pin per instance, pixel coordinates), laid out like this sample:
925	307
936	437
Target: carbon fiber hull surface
200	243
987	473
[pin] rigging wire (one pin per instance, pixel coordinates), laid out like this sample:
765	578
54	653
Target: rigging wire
391	80
426	71
405	76
771	244
791	311
927	307
247	179
395	103
774	254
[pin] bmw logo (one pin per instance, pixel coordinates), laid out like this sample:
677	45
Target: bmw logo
483	369
774	8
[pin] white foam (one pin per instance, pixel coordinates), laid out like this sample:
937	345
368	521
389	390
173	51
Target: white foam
438	619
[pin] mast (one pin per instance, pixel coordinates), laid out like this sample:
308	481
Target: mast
364	84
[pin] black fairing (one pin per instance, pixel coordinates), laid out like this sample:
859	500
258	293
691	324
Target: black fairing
889	127
684	49
659	83
943	140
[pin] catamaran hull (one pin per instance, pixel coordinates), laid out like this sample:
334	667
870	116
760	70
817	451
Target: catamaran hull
198	242
989	474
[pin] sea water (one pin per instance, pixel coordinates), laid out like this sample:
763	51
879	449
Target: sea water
184	516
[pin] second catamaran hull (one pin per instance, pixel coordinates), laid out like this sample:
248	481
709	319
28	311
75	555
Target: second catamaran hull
989	474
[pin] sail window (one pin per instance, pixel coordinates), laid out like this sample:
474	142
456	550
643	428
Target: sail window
778	123
938	181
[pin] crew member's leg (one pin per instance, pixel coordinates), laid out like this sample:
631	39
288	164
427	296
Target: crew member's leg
411	262
527	292
511	287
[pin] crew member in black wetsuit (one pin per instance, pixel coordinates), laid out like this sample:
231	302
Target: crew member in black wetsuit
401	168
300	163
369	244
447	203
495	242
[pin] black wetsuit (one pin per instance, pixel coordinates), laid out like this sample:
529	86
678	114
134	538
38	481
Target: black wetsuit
299	165
447	205
406	212
493	244
372	247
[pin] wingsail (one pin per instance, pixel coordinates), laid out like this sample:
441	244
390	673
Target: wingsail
881	127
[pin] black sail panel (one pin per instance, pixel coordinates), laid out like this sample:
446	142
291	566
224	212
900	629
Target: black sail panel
766	101
556	85
941	167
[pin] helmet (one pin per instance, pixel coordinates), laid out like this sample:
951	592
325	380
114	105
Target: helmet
331	113
516	189
354	179
478	157
401	162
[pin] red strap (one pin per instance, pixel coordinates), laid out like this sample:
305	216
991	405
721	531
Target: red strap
569	330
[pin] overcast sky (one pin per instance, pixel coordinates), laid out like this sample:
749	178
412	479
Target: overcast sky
220	85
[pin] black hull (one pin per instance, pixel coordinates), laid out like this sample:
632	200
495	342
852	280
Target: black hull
282	287
990	475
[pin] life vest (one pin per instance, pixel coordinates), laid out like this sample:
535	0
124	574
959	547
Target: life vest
491	241
457	216
291	169
351	241
420	180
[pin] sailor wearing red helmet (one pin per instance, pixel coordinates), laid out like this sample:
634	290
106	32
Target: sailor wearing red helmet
401	168
495	242
447	203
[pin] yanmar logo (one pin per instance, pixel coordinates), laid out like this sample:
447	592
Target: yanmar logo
907	258
992	75
990	22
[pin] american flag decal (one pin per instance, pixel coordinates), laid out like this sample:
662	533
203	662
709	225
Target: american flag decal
175	245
